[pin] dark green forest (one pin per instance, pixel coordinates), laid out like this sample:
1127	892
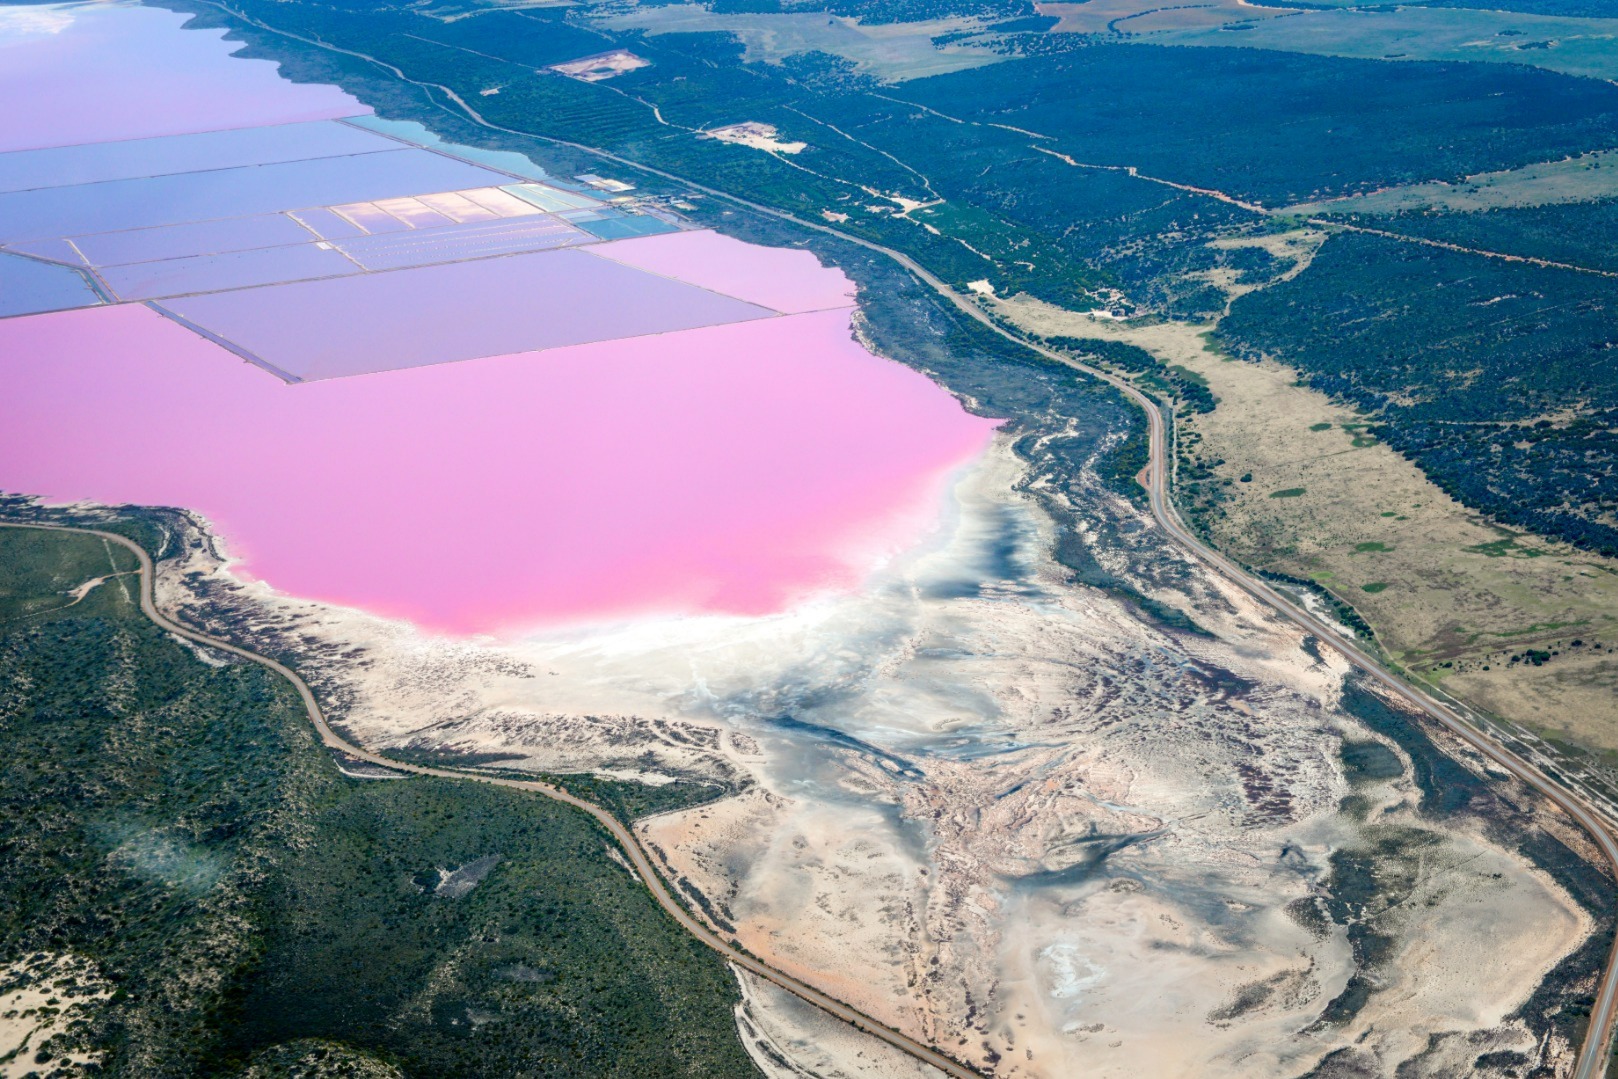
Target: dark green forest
1214	117
1575	9
1495	377
1576	233
174	822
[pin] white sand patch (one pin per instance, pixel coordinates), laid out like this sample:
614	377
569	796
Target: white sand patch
40	999
602	66
756	136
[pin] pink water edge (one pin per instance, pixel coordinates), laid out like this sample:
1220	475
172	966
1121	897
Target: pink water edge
789	281
732	469
78	73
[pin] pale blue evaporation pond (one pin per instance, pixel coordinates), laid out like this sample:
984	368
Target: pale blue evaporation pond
605	222
99	162
459	311
81	209
28	287
185	214
624	227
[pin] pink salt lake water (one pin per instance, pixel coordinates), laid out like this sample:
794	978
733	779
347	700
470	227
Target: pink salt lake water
79	73
732	469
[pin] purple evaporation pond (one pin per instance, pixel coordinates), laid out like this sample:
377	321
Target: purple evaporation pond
257	189
102	161
416	215
93	73
329	225
731	469
191	238
459	311
789	281
485	239
234	270
372	219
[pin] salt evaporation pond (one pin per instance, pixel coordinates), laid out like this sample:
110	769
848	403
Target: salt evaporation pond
457	311
745	453
731	469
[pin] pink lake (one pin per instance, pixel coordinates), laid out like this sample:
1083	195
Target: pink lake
731	469
78	73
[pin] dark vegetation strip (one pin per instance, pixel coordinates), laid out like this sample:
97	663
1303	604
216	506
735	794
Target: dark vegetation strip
1567	9
626	801
1578	233
1210	117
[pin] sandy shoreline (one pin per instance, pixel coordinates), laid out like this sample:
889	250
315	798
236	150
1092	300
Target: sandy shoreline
1002	812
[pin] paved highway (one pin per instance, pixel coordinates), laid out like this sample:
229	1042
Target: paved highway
1593	1055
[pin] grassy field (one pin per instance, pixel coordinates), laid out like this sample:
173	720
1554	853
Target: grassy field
1572	46
1145	16
892	52
1584	178
1302	489
1484	372
224	902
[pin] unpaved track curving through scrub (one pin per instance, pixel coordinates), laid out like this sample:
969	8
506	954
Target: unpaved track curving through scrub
625	837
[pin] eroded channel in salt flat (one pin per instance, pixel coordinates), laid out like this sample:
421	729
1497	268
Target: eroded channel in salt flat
1000	811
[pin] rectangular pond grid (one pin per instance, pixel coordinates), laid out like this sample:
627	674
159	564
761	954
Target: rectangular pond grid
455	311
